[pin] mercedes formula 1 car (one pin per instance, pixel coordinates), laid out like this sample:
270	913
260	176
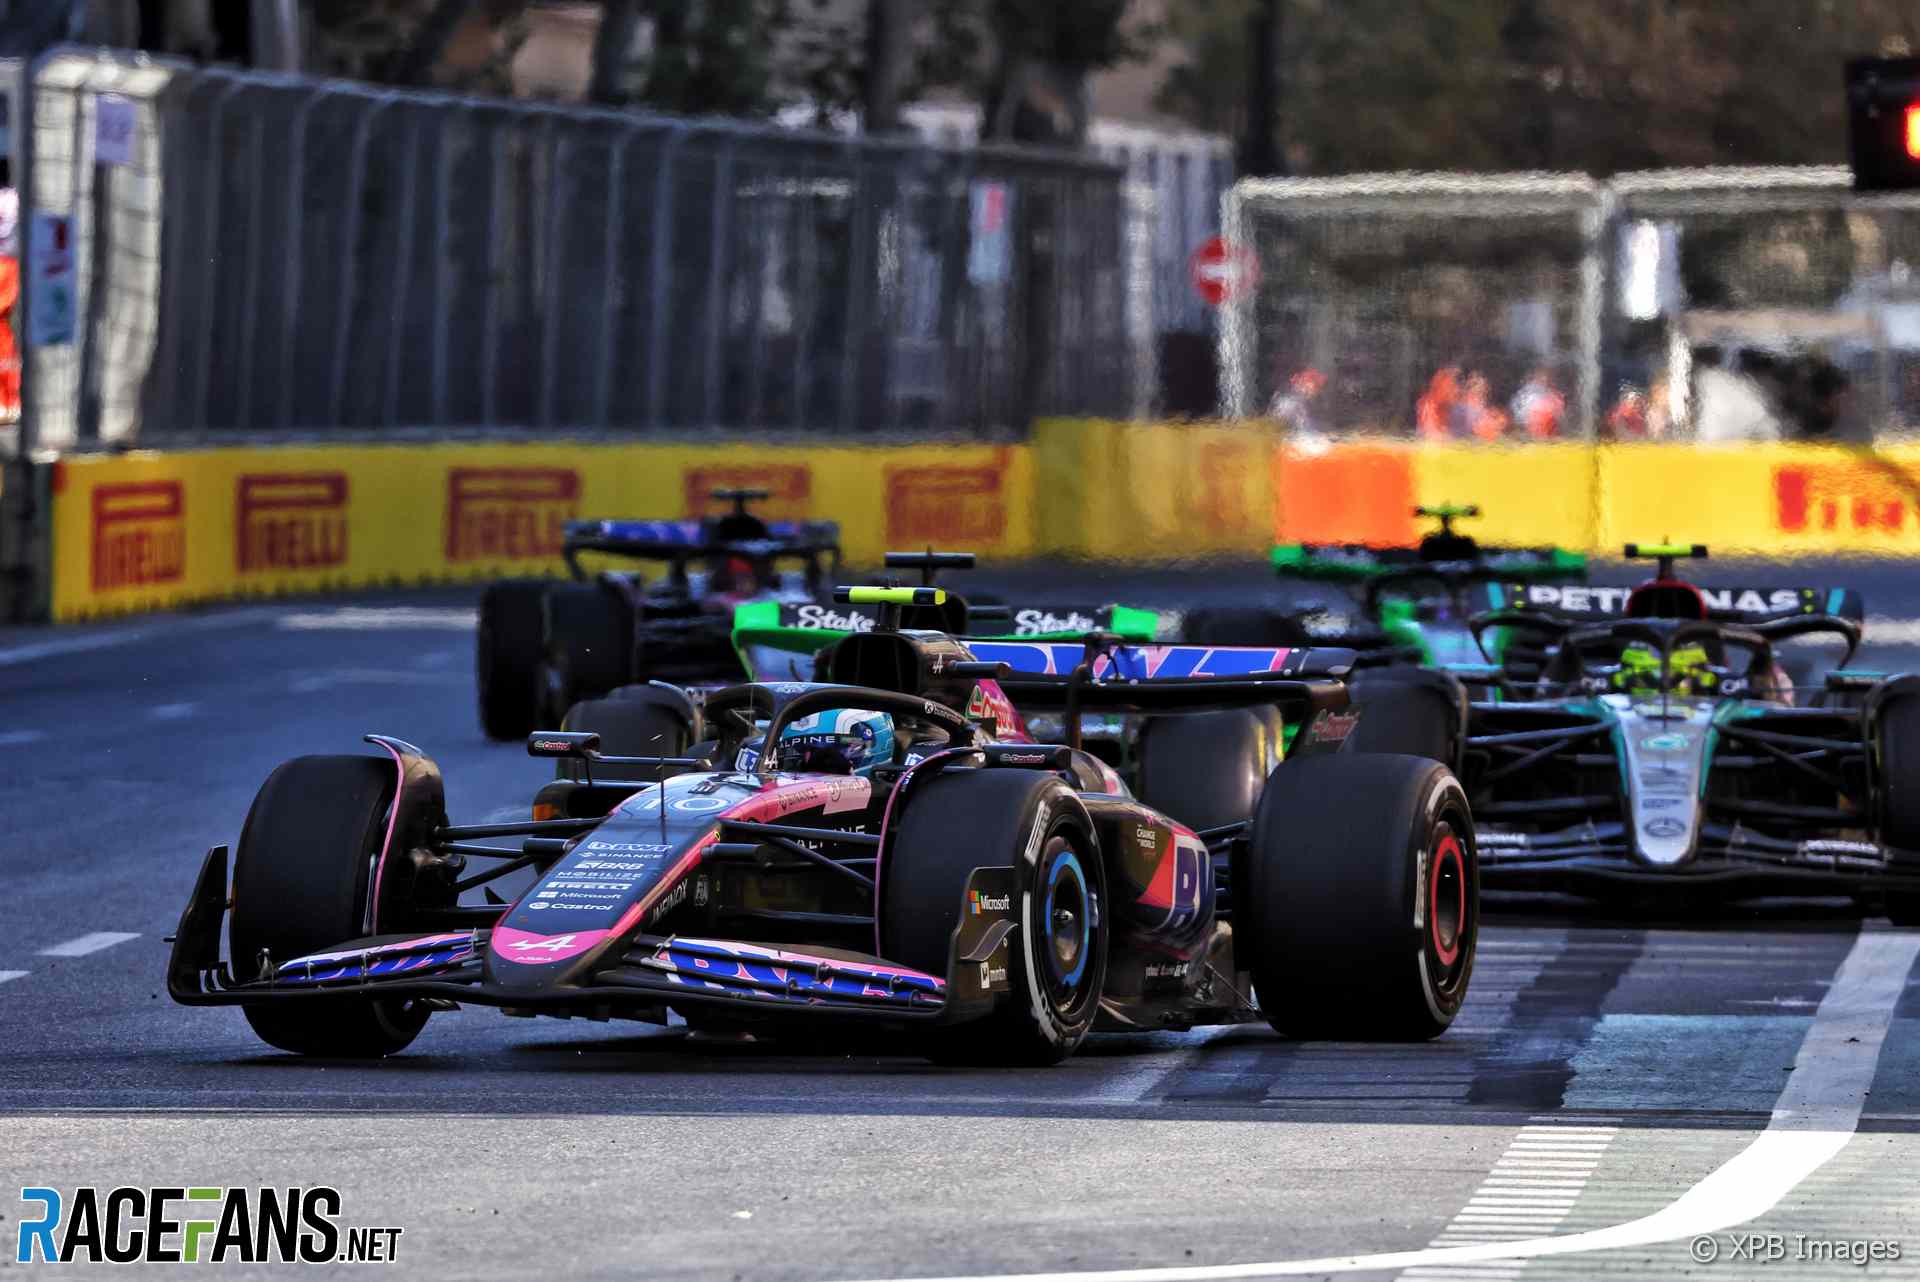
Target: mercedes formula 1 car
1395	604
888	846
1654	738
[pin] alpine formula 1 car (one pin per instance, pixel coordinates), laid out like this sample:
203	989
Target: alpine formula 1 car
1661	743
543	646
887	847
1395	604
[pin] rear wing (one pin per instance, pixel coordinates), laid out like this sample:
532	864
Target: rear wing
1584	603
809	628
1072	678
680	540
1360	562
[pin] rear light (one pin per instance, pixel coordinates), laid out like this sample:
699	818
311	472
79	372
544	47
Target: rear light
543	811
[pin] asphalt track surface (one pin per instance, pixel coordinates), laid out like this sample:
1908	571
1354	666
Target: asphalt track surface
1604	1070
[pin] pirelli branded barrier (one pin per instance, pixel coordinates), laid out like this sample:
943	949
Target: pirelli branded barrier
1765	500
148	530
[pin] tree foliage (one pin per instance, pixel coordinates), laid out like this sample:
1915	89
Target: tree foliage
1557	84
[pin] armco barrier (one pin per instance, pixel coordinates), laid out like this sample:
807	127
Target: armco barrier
148	530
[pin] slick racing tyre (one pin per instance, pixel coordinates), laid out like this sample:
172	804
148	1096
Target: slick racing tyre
301	884
1898	731
1362	904
1206	769
1407	710
1057	957
634	721
507	657
588	644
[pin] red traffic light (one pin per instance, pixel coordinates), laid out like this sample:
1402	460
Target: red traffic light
1883	123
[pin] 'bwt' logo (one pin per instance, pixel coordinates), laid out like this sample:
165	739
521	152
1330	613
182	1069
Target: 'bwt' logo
509	513
139	534
290	521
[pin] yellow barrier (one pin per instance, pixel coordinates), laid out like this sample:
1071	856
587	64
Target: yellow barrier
1152	491
149	530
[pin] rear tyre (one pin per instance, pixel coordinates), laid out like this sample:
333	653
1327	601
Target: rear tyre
632	722
1898	726
507	657
1028	821
1362	910
1404	712
1207	769
588	642
301	884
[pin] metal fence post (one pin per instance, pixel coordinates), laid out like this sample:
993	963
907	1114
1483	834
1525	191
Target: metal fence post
343	322
717	274
250	279
613	277
403	275
550	302
859	284
203	374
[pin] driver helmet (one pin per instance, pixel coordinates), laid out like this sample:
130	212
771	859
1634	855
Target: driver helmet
839	741
1688	672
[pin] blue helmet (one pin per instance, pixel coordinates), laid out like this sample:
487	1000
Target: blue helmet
840	741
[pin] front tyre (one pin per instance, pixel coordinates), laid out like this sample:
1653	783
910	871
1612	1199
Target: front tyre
1362	911
1030	822
302	879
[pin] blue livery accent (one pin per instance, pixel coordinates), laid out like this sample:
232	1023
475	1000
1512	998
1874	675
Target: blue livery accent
1135	663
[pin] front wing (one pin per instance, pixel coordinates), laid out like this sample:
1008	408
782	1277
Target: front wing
651	974
1731	862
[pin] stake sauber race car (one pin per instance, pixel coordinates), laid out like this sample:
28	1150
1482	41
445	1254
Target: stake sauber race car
885	846
1395	604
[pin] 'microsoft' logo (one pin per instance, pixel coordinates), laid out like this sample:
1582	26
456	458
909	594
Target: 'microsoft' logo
195	1225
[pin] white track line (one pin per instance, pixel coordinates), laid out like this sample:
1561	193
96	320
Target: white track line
355	618
88	642
1812	1121
5	975
85	944
20	738
172	711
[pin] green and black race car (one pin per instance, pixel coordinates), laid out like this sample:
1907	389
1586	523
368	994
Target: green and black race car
1394	604
1653	740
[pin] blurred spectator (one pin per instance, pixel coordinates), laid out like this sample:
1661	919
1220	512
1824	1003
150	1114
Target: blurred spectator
1627	420
1433	415
1539	406
1476	415
1298	407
